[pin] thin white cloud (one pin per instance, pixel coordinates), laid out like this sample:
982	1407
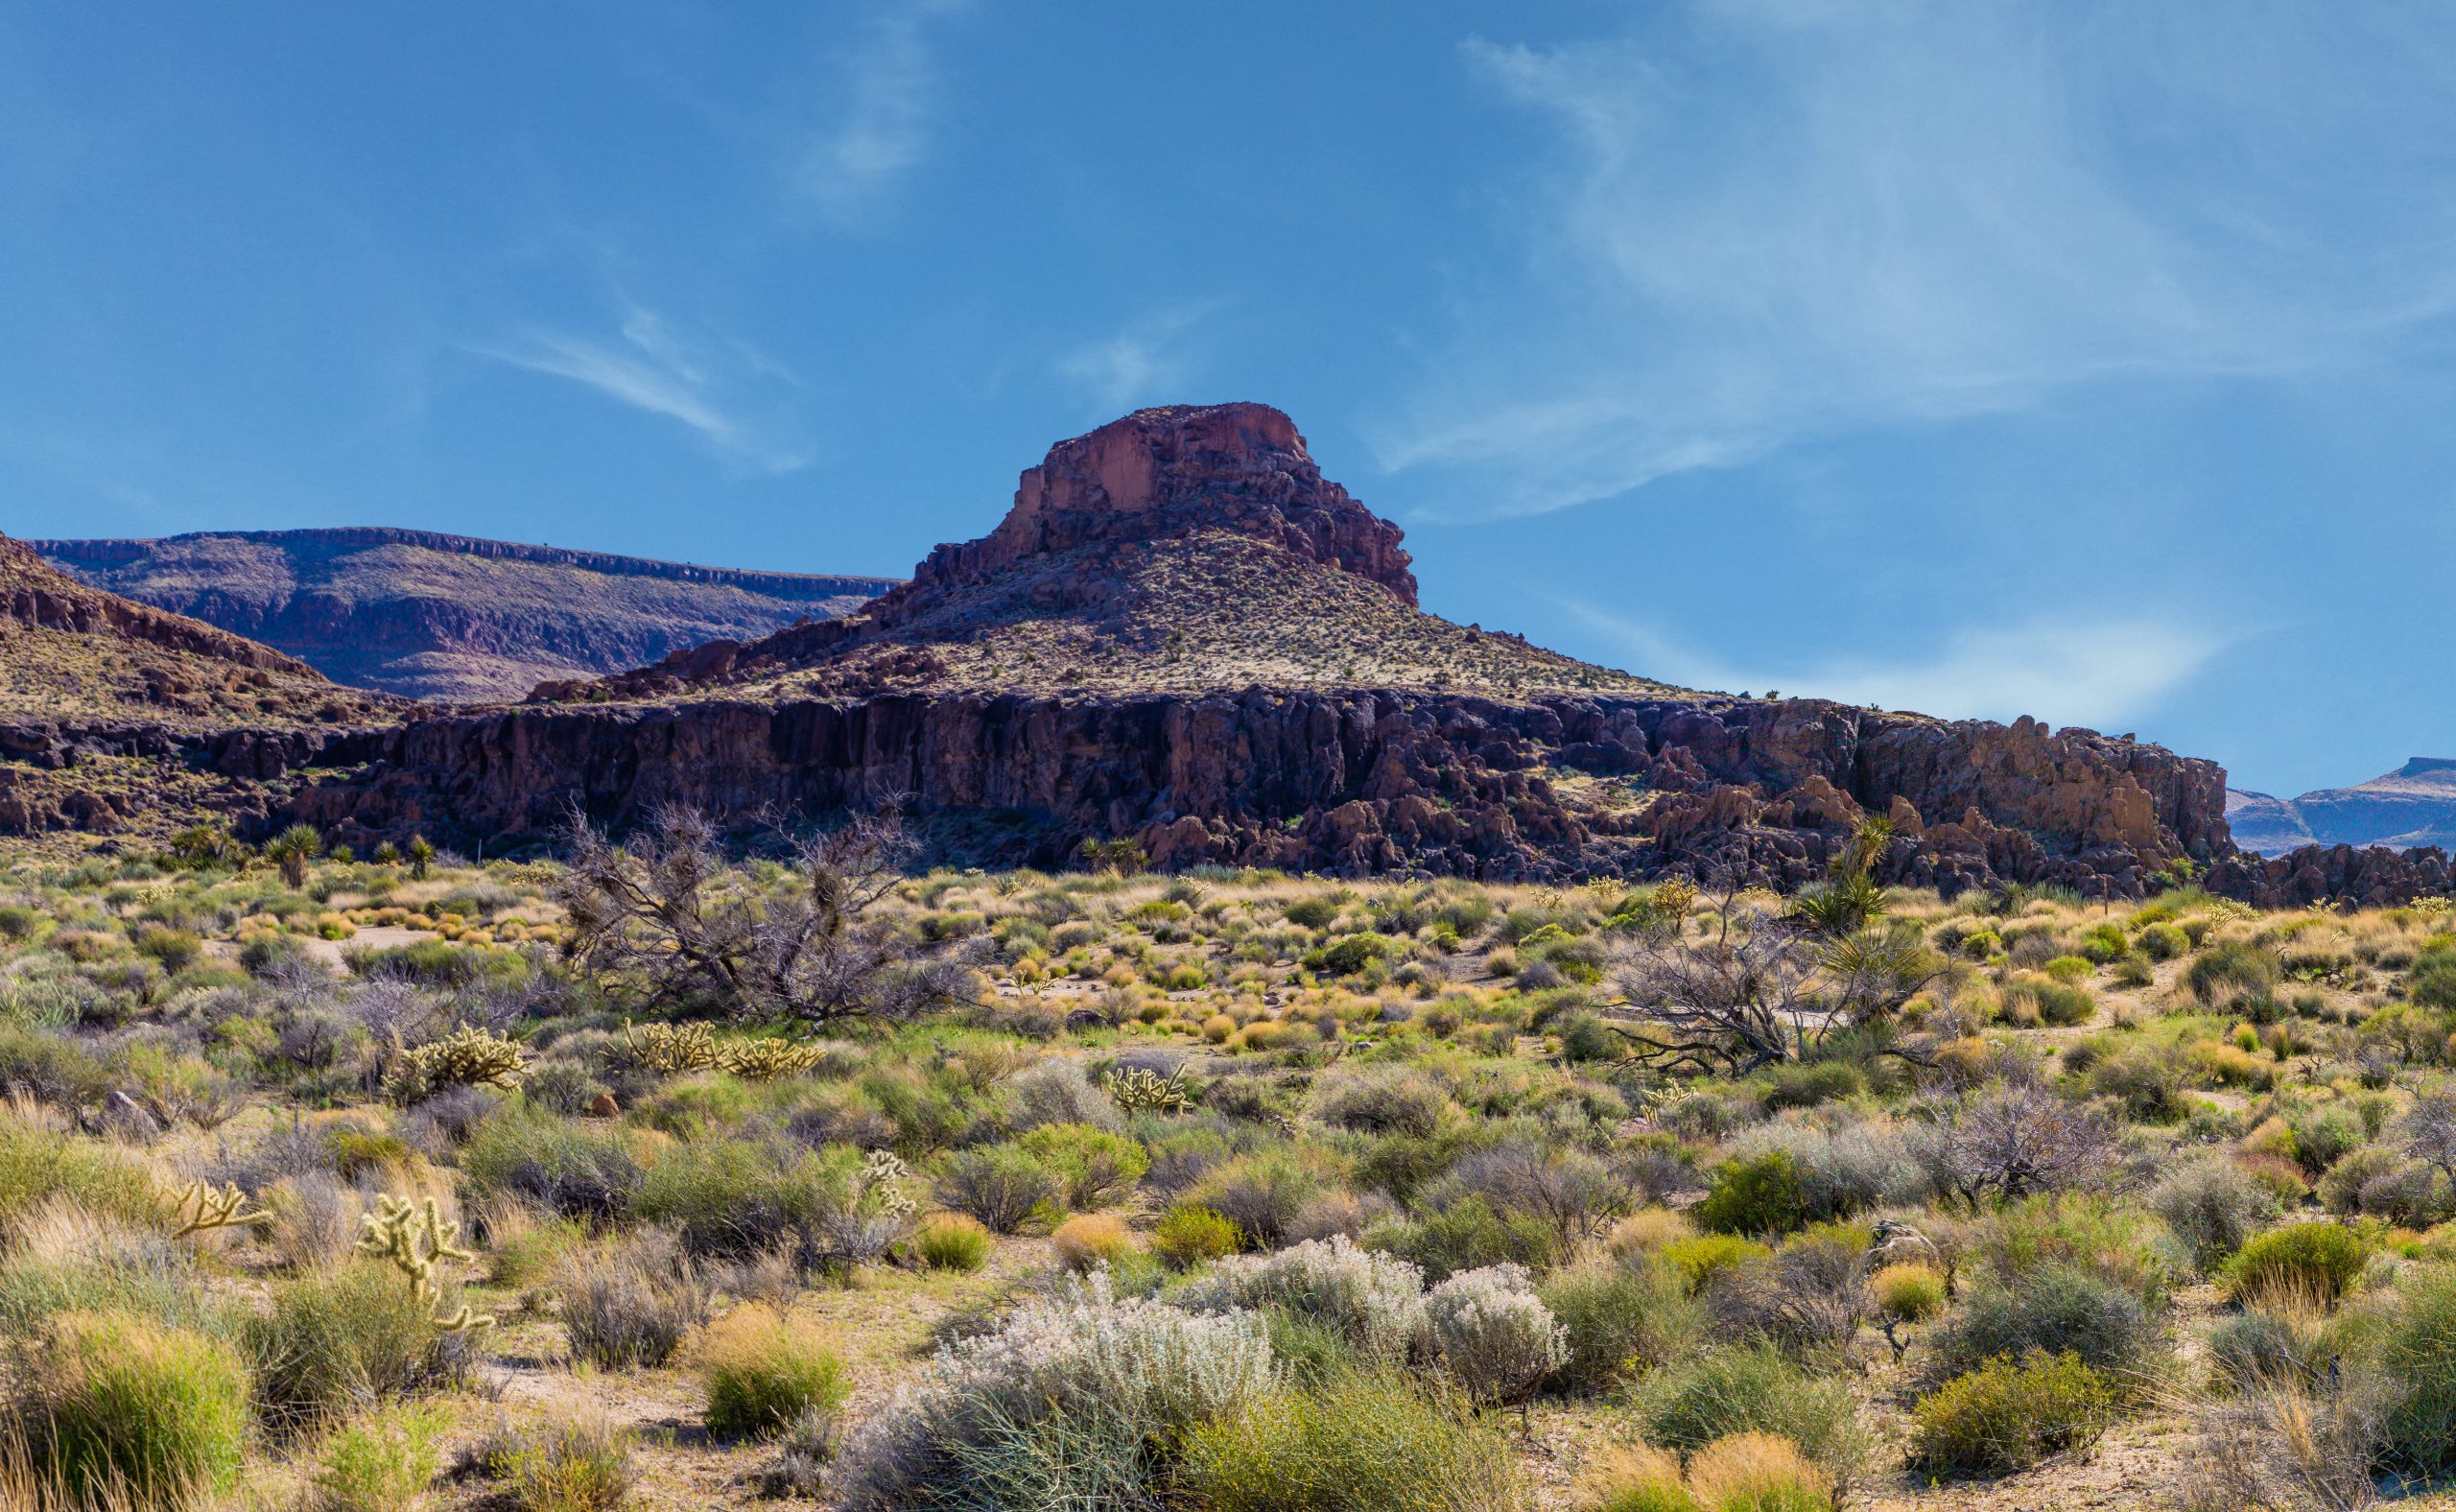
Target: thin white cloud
1146	362
2100	673
1762	221
680	375
882	117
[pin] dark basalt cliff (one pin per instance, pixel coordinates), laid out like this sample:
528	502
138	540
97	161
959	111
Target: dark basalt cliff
1560	787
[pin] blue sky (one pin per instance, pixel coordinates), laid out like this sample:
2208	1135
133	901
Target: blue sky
2088	360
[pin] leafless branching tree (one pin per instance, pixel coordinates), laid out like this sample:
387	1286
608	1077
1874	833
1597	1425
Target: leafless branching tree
2011	1142
1762	987
661	913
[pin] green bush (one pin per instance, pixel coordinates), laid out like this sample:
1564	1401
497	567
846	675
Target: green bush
2010	1414
1189	1236
581	1466
1096	1166
762	1373
2417	1355
737	1197
2054	1309
1809	1084
2235	968
1701	1257
575	1169
2164	942
952	1241
1756	1194
1468	1234
381	1463
1751	1390
1622	1320
1351	954
333	1341
36	1164
1355	1443
2102	943
1001	1185
115	1411
2318	1260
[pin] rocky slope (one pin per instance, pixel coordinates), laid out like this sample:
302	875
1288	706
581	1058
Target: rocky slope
446	616
104	703
2411	807
1181	633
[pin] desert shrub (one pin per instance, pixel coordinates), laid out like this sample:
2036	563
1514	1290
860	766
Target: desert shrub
1754	1194
1467	1233
1373	1302
1632	1477
1311	913
1074	1403
2416	1350
49	1068
1494	1334
2164	942
952	1241
2325	1136
1096	1166
2109	1237
36	1165
2231	969
1751	1390
1187	1235
1910	1291
1261	1193
111	1406
1354	1443
2052	1308
334	1340
2254	1348
1621	1320
1702	1259
761	1372
2320	1260
1001	1185
1057	1090
2212	1206
738	1197
2061	1003
1092	1239
1646	1231
1805	1085
631	1302
1840	1172
1757	1472
575	1169
2010	1414
581	1465
378	1463
1387	1100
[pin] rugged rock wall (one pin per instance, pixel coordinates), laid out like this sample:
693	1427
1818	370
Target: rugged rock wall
1560	787
1238	467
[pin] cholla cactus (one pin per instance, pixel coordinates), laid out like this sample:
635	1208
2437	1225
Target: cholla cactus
767	1059
1136	1090
667	1050
2433	908
470	1056
416	1238
199	1207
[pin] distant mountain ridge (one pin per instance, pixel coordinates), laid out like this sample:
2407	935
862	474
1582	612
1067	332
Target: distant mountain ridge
450	617
2411	807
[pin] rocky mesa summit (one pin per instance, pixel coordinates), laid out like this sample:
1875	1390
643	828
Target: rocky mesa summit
1183	635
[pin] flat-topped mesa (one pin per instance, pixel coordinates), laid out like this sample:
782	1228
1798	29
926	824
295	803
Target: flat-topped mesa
1177	468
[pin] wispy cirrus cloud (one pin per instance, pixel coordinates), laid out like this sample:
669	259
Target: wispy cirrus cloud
1145	363
2098	671
1763	221
878	117
720	387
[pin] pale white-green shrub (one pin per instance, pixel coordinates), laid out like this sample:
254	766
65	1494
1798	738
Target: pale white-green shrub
1373	1301
1493	1334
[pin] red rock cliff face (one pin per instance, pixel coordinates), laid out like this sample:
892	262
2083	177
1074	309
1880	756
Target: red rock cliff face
1237	467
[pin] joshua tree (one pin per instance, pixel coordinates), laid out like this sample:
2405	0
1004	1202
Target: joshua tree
661	913
292	850
421	856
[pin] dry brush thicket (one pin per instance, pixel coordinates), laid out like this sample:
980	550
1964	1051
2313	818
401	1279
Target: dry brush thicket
653	1177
